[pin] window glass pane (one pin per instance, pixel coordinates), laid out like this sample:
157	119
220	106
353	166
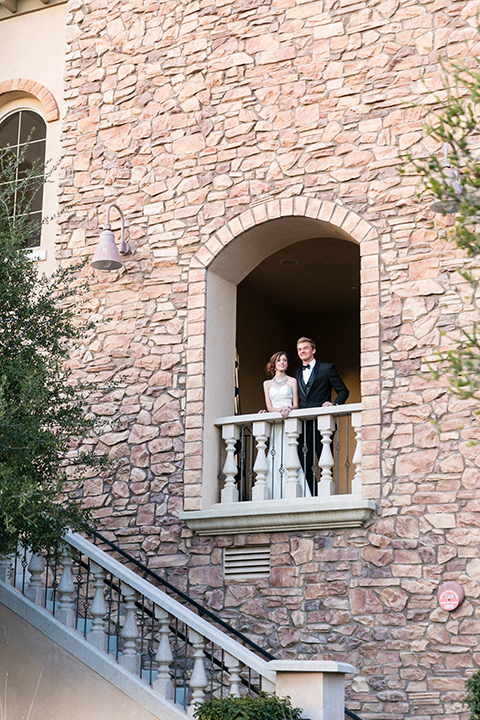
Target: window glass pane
31	125
35	151
7	171
8	196
34	239
9	130
32	196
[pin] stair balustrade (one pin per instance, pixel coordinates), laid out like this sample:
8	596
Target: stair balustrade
182	656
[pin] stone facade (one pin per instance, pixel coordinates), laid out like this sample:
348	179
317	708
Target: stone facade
203	120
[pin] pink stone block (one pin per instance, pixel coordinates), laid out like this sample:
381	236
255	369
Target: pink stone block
300	205
338	216
273	209
260	213
326	211
313	207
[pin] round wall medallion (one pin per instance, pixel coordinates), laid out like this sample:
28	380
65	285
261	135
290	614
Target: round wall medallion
450	595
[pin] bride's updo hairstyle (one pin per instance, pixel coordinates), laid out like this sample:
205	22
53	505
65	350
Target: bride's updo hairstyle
270	366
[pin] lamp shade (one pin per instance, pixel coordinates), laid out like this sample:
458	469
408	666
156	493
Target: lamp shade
106	255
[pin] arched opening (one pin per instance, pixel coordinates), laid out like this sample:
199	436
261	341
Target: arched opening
249	301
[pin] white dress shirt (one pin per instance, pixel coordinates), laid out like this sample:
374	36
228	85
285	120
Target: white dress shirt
307	372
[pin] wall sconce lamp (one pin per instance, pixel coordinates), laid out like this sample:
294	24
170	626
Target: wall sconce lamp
449	204
107	256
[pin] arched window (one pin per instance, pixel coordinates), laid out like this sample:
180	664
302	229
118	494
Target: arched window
24	132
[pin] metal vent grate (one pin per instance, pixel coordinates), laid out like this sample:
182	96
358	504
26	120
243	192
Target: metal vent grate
243	563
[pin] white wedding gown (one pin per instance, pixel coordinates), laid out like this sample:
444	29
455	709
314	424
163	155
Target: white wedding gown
277	475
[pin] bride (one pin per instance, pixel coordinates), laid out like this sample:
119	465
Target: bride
281	395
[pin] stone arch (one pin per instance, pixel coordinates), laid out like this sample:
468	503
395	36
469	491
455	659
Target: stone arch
347	224
324	210
20	87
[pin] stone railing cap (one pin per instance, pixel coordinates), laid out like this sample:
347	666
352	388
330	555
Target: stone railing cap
317	666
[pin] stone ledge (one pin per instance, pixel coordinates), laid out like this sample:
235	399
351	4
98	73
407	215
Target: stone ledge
340	511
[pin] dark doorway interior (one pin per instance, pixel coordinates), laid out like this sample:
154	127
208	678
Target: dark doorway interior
317	294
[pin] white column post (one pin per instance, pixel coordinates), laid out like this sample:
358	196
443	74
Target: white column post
97	636
229	494
128	659
164	657
35	591
315	686
66	612
356	488
326	426
292	464
198	678
6	570
261	431
234	667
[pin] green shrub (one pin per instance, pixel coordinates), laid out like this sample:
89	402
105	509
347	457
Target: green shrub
262	707
473	696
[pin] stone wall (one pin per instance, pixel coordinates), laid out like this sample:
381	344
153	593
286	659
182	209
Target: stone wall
188	114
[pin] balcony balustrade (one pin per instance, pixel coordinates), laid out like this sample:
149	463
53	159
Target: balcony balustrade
263	464
264	456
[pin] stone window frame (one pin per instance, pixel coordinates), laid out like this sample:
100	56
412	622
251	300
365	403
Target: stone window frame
198	500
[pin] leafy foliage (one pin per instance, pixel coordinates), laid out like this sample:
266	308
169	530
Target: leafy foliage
262	707
456	123
40	409
473	696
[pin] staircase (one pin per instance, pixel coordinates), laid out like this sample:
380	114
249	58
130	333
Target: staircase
124	648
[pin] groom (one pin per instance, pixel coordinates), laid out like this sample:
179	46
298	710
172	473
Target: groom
315	381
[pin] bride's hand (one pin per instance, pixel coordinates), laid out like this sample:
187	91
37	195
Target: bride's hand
285	411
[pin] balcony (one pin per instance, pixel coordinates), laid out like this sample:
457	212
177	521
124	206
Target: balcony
262	475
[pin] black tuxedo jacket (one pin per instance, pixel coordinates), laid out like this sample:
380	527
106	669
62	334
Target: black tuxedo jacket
318	390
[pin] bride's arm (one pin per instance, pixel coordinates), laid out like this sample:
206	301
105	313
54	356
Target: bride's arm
295	395
268	402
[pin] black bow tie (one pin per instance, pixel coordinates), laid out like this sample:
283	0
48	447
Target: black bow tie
306	367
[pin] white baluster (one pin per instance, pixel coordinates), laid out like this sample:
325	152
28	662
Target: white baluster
35	590
164	657
234	667
292	430
357	455
6	570
129	659
261	431
326	426
198	678
97	635
66	613
229	494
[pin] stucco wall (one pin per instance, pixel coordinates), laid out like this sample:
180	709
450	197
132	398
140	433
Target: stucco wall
32	53
39	679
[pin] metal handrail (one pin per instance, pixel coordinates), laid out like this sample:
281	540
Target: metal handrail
186	598
353	715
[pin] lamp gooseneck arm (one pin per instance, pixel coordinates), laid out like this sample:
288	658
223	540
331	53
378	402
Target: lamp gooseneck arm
124	248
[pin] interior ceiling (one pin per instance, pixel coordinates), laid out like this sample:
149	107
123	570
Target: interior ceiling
239	258
325	278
